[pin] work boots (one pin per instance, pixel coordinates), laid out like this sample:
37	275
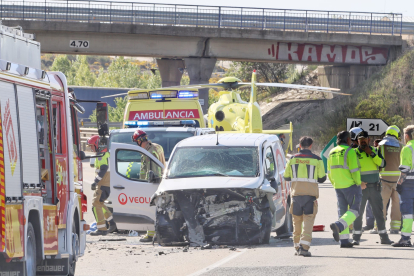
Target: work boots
146	238
99	233
297	251
335	231
385	239
303	252
366	228
402	243
346	244
112	226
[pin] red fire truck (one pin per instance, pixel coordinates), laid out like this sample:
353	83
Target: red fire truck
42	231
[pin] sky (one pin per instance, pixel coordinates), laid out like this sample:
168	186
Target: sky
406	7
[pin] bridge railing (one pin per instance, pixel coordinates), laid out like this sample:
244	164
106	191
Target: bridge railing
203	16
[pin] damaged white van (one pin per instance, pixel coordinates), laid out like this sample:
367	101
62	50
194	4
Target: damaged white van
223	189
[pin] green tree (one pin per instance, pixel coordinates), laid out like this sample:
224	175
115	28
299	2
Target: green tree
121	73
62	64
266	72
83	75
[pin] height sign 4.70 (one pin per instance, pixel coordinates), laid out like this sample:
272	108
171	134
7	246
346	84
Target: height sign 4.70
372	126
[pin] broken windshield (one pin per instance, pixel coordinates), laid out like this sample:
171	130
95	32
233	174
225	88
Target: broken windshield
214	161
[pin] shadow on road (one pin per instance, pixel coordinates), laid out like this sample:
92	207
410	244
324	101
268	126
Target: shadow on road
275	242
361	257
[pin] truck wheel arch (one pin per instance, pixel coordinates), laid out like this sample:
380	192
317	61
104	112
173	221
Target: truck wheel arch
34	218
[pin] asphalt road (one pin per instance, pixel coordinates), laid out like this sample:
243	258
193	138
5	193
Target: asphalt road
130	257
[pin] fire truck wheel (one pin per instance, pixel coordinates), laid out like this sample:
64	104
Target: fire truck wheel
75	251
31	251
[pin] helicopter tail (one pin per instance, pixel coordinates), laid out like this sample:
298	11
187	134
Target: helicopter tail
253	94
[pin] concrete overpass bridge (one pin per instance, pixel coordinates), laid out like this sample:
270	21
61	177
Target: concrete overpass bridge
195	37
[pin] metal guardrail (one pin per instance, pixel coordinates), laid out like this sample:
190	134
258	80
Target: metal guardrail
205	16
93	124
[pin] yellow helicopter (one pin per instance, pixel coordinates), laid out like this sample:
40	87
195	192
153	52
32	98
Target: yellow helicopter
231	113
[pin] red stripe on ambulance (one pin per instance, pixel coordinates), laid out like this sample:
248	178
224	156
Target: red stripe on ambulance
166	114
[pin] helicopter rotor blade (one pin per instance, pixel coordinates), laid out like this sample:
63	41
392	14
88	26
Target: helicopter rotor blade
304	87
201	86
109	96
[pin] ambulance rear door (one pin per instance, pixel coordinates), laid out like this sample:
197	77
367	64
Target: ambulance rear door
130	191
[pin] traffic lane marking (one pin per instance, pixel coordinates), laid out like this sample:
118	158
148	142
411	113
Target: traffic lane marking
219	263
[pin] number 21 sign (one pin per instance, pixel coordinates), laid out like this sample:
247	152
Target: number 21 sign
372	126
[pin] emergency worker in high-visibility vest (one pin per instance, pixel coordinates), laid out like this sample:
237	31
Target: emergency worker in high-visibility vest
371	161
405	187
305	170
344	174
141	138
101	186
390	148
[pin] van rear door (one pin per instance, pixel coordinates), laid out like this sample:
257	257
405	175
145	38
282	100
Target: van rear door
130	191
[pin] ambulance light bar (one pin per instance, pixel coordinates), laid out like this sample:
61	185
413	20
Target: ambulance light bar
163	94
187	94
132	124
139	96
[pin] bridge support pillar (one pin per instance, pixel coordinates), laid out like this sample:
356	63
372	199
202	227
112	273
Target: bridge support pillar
200	70
344	77
171	71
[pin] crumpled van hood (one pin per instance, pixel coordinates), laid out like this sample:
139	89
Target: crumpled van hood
208	182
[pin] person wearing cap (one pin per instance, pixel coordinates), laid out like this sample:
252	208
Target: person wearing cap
305	170
141	138
405	187
371	160
390	148
344	174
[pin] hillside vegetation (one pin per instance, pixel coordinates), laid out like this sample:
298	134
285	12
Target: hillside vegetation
388	95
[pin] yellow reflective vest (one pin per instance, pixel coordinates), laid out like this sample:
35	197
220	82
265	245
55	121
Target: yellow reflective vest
370	164
305	170
343	167
406	166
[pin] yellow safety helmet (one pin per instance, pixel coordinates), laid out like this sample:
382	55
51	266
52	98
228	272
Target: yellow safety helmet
393	130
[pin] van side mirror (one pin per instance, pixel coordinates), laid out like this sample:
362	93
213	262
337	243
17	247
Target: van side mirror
102	118
151	177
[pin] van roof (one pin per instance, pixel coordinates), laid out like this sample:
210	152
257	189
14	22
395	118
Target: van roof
228	139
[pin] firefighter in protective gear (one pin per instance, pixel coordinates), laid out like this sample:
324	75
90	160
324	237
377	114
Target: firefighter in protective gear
305	170
102	190
344	174
405	187
370	160
141	138
390	148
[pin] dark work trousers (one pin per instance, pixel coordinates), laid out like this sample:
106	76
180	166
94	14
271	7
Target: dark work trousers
349	200
372	193
370	216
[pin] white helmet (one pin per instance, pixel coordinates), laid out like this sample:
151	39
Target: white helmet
354	132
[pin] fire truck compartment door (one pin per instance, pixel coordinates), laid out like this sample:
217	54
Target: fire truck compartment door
28	130
11	143
131	190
